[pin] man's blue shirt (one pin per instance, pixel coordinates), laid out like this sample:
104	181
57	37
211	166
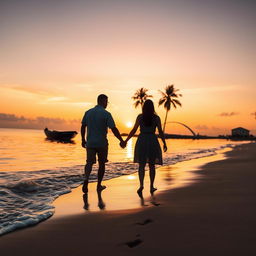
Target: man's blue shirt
97	121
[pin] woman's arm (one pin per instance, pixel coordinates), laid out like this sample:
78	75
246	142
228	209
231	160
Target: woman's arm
161	133
134	129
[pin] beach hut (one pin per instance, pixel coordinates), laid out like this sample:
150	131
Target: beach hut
240	132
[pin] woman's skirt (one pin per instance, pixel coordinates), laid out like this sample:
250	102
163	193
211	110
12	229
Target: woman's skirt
147	149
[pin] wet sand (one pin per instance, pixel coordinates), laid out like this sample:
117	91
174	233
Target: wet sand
215	215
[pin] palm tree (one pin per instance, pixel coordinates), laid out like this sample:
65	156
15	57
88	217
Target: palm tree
169	99
140	96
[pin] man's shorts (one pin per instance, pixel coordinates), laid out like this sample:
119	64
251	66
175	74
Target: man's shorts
102	154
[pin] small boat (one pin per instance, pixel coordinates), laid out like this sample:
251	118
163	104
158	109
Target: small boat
60	136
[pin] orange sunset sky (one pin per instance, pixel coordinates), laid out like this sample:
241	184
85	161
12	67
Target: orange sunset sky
57	56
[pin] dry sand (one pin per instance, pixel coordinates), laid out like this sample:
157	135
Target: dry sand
213	216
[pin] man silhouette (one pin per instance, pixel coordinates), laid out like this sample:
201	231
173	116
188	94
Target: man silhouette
95	124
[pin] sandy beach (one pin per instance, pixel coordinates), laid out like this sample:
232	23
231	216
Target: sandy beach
214	215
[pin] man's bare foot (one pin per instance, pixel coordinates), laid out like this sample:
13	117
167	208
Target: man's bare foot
152	190
85	187
139	191
101	187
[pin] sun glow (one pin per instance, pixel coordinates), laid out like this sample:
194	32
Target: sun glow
131	177
129	124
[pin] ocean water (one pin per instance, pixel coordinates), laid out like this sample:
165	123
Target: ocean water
35	171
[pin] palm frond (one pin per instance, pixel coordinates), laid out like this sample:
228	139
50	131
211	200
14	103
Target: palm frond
173	104
169	89
137	103
177	102
161	101
174	95
140	96
167	97
163	94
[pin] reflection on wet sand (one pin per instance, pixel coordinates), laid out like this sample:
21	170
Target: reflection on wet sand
152	199
142	201
121	188
129	150
169	175
86	204
101	203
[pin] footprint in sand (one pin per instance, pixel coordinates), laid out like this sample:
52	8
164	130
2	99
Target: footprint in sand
145	222
134	243
155	204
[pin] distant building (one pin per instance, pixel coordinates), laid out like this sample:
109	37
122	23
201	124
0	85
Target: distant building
240	132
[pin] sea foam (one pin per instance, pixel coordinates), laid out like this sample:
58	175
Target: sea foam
27	196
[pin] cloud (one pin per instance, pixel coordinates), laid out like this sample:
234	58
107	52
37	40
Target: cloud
228	114
13	121
57	99
27	89
66	100
211	89
209	130
47	94
201	127
216	129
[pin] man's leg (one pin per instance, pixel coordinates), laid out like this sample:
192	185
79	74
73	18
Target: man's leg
91	158
101	172
102	158
87	172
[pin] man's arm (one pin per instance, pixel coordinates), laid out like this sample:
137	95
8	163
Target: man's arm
83	128
117	134
112	126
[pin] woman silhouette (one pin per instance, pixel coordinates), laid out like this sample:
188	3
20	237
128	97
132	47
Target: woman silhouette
147	148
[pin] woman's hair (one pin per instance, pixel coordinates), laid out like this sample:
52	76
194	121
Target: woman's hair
148	112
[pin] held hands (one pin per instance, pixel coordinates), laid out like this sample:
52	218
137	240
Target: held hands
164	147
123	144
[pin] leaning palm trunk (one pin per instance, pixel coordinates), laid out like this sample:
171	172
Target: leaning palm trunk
165	119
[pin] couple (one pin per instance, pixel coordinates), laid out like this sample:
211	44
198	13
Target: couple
95	124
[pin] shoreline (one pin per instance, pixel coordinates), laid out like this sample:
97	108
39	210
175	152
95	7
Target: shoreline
115	204
214	215
114	198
